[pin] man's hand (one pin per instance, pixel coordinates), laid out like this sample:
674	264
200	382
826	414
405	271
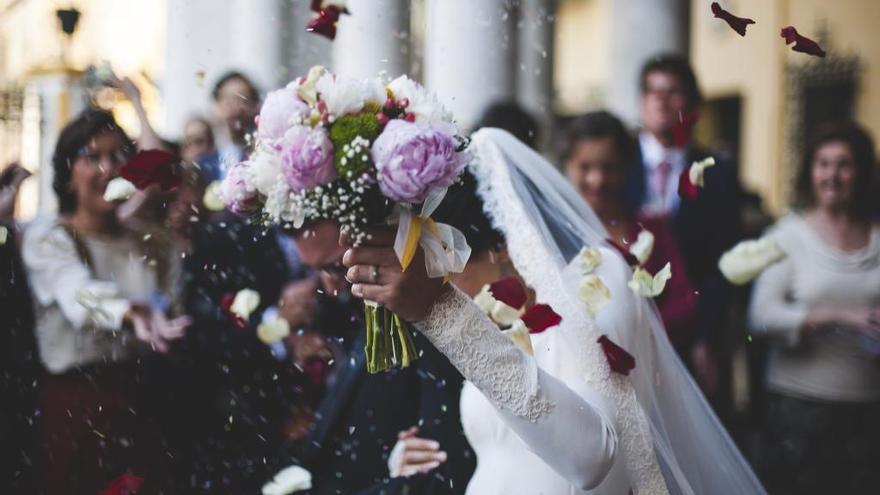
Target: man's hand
413	455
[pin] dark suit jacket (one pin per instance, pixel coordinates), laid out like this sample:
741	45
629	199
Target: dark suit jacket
704	229
357	424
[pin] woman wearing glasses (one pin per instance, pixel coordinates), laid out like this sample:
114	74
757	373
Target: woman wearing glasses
95	285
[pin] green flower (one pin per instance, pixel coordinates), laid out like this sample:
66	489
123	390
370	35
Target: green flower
352	136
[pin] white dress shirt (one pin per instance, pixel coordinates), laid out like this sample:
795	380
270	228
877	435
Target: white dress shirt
653	154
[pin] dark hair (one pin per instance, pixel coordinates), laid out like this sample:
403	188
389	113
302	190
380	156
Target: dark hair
230	76
76	135
463	209
677	66
861	146
597	125
513	118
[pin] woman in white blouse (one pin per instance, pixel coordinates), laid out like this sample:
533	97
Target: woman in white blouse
94	283
821	307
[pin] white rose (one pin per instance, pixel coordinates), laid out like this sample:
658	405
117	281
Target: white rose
264	171
643	284
289	480
594	294
695	174
590	258
519	334
273	330
344	95
485	300
211	200
119	189
504	315
748	259
423	104
245	302
643	246
306	90
4	233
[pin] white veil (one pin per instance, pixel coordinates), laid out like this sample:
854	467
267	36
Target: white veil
667	431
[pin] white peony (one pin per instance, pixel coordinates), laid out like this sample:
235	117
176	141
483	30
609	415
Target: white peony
643	284
590	258
344	95
264	171
119	189
273	330
519	334
643	246
289	480
594	294
211	200
695	173
245	302
748	259
423	104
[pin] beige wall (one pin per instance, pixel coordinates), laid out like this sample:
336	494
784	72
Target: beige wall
581	66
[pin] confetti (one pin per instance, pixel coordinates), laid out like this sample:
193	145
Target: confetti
738	24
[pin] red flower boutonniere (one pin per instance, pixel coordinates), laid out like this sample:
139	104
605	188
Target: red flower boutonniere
151	167
691	179
620	361
738	24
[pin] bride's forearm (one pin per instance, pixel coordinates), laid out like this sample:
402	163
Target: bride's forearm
555	421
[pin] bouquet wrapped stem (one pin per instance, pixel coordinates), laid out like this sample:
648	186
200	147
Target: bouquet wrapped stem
389	340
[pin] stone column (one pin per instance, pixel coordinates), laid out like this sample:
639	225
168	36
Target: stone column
373	39
255	41
534	89
469	54
641	29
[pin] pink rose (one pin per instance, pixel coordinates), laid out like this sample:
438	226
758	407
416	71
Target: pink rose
281	110
236	193
306	158
412	159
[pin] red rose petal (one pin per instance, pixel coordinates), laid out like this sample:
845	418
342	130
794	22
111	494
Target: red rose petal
630	258
126	484
150	167
510	291
802	44
738	24
686	188
681	132
226	305
619	360
540	317
325	23
315	5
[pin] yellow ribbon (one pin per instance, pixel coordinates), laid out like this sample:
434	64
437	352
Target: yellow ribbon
416	225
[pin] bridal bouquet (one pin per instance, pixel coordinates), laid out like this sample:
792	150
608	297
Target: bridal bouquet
360	153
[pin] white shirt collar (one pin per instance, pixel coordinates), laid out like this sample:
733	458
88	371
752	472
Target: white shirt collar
653	153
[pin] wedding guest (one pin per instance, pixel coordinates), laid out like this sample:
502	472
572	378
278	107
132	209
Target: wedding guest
704	228
11	179
513	118
93	284
358	422
236	104
820	306
200	147
597	153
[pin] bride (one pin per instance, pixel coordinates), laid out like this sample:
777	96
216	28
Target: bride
561	421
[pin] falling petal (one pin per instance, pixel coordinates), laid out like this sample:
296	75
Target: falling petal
510	291
618	359
738	24
540	317
802	44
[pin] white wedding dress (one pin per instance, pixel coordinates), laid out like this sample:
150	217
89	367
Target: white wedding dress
561	422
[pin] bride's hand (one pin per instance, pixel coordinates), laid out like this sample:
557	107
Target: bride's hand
376	275
413	455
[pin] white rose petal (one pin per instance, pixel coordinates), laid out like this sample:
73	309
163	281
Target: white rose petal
519	334
748	259
245	302
485	300
264	171
643	246
272	331
211	200
4	233
695	174
307	90
590	258
423	104
504	315
643	284
594	293
119	189
289	480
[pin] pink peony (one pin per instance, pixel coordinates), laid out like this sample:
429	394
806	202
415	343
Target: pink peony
306	158
412	159
280	111
236	193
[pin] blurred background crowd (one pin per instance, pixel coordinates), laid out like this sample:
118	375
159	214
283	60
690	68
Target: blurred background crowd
117	352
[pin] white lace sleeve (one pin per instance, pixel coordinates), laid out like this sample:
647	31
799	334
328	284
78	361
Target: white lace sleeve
544	412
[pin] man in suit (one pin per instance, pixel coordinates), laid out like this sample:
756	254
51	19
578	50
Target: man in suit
704	227
357	424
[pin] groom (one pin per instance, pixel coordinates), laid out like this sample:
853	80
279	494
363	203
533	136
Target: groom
357	424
